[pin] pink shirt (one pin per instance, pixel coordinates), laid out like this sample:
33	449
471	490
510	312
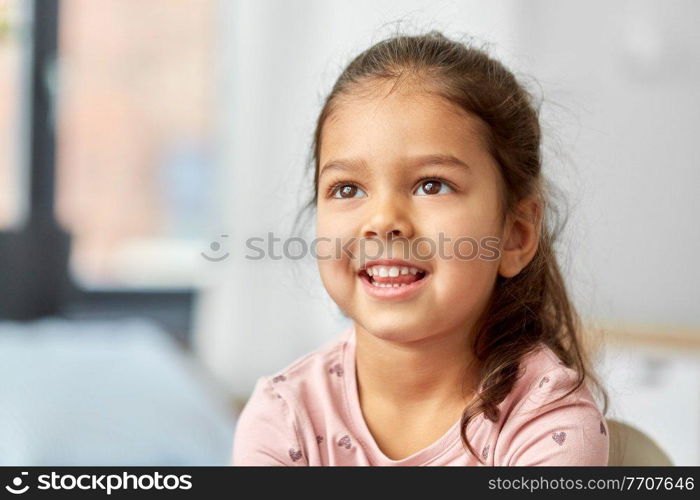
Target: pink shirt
309	414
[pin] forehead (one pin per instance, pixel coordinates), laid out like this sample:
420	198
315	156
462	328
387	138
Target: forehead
410	120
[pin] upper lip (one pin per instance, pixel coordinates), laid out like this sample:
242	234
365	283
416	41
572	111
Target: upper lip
392	262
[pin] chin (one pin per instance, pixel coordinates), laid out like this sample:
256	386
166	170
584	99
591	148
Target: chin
395	330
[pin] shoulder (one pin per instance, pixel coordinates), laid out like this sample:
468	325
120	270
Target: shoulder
549	418
310	377
270	427
266	431
542	376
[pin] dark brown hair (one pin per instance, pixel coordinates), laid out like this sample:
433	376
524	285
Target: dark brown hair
532	307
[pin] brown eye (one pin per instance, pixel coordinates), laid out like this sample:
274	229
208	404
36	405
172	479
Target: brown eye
431	187
346	191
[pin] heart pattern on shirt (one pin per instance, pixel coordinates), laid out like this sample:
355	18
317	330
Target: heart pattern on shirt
337	369
345	441
319	439
559	437
294	454
485	452
279	378
544	381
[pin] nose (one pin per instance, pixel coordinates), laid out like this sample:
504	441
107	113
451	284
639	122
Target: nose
388	218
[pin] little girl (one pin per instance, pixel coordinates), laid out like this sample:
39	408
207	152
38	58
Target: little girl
464	346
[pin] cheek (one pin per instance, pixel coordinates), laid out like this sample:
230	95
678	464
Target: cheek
463	287
465	269
337	281
332	222
333	262
463	234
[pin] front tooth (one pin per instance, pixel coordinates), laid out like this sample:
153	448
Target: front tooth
413	270
383	272
404	270
393	271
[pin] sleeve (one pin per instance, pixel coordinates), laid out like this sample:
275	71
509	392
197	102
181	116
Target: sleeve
542	431
266	432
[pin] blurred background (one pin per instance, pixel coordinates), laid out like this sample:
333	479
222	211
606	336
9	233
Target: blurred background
143	142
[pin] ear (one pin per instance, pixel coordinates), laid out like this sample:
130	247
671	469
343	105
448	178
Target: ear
521	238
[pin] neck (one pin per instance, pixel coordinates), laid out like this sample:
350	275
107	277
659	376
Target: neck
437	372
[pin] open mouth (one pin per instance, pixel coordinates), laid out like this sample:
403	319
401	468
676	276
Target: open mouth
392	276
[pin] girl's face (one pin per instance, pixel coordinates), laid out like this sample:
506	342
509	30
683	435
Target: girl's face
412	166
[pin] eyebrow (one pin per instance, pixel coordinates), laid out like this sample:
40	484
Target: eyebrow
413	162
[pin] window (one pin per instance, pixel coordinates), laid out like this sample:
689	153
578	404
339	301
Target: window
13	188
105	143
133	139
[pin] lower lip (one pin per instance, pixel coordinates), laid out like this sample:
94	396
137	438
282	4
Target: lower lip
393	293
